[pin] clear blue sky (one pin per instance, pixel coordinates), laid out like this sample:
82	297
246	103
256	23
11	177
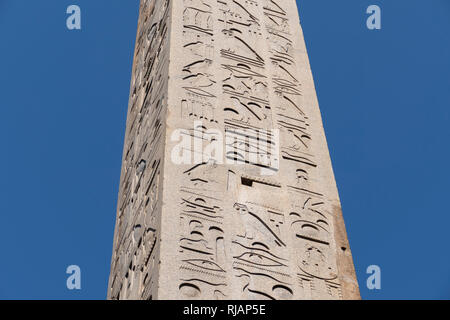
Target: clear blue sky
384	96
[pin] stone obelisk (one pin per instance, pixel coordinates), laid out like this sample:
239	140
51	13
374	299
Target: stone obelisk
227	189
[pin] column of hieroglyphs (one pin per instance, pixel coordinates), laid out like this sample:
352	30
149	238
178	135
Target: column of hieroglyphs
136	249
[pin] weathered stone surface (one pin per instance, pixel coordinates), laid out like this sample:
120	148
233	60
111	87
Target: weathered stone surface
269	225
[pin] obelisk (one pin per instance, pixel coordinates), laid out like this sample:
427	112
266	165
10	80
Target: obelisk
227	189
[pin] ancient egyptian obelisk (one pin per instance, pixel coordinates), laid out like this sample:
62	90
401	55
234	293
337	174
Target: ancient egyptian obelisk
227	189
